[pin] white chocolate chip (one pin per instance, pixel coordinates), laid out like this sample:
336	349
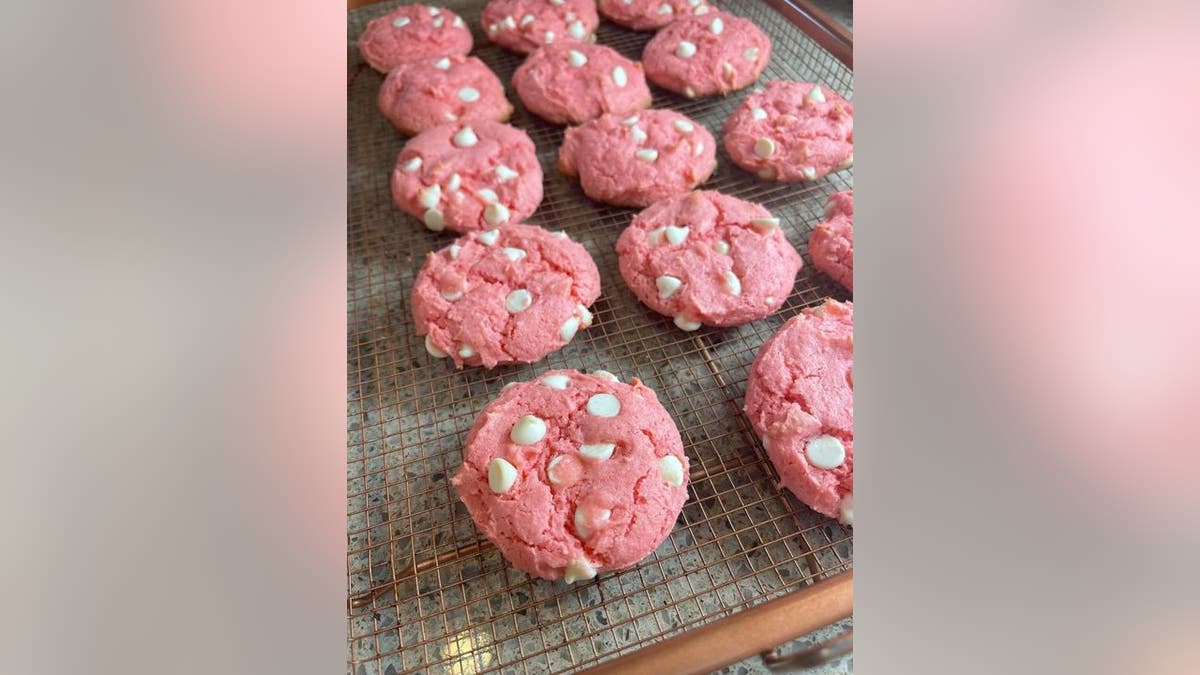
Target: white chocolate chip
676	235
493	28
412	165
693	3
455	249
647	155
717	26
758	114
465	138
665	9
466	351
488	237
825	452
619	77
727	69
750	54
628	2
513	254
702	9
495	214
527	19
439	22
518	301
630	121
597	451
764	224
528	430
576	30
560	234
667	285
603	405
582	516
847	163
433	220
556	381
815	95
687	324
585	316
684	126
698	149
508	386
433	350
430	196
434	11
504	173
689	92
639	136
569	328
454	183
468	94
732	283
685	50
576	59
846	510
450	116
488	195
605	375
451	295
721	247
557	2
656	237
401	21
671	470
809	172
578	570
549	36
501	475
555	479
764	147
509	23
442	64
458	22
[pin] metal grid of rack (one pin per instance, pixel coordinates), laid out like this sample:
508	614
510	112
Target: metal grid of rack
427	590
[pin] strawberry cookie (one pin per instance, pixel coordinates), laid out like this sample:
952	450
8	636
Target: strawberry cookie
413	33
831	244
792	131
639	159
800	401
508	295
706	258
570	474
524	25
714	53
468	177
571	83
423	94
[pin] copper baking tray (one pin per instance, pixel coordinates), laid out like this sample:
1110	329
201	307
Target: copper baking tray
747	567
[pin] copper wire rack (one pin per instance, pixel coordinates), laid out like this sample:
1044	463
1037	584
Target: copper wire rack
427	592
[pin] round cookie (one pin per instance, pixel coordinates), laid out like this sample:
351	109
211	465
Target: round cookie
649	14
708	258
423	94
639	159
792	131
467	177
831	243
800	401
413	33
715	53
508	295
524	25
573	82
573	474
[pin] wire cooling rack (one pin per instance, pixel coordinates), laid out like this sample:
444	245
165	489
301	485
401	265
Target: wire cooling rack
427	591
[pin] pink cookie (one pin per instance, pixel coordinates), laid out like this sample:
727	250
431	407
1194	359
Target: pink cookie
423	94
715	53
792	131
800	401
508	295
468	177
831	244
573	82
413	33
639	159
524	25
650	14
573	474
708	258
